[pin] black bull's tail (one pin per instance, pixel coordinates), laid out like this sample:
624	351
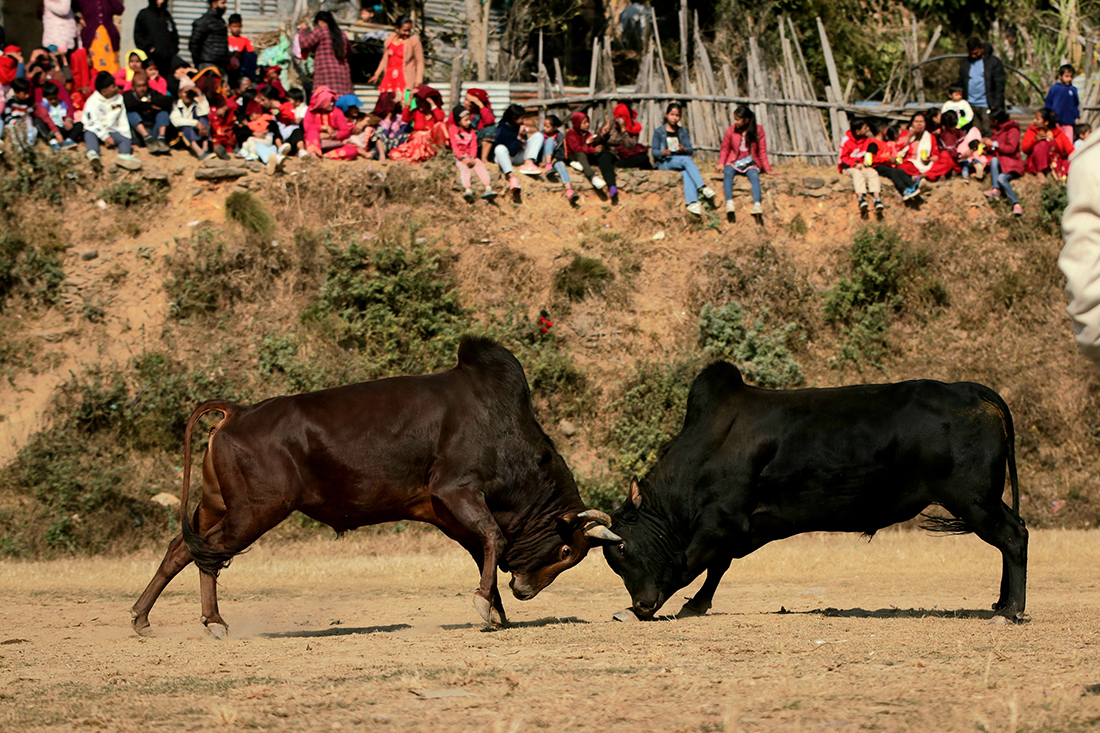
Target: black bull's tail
952	525
206	558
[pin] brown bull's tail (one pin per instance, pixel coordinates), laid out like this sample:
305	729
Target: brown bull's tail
206	558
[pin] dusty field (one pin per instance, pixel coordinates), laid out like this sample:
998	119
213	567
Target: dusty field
331	635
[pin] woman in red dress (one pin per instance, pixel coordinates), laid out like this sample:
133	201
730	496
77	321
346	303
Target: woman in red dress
402	62
429	134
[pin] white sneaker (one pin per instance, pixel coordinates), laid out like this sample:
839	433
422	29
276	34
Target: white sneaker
598	183
284	149
707	192
128	162
757	209
93	155
303	154
695	208
729	206
576	165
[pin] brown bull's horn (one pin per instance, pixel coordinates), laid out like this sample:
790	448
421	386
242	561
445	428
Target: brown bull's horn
595	515
600	532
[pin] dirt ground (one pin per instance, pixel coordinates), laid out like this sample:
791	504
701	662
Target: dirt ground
378	631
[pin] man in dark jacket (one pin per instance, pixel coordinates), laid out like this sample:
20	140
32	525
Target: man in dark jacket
982	77
147	110
210	38
156	34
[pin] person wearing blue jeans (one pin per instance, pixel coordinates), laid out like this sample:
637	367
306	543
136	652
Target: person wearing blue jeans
147	113
744	152
672	151
1003	181
510	150
553	153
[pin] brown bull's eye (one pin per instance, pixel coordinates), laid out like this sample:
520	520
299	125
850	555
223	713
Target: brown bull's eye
622	548
566	552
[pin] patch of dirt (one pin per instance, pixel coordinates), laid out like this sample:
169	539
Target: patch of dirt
377	631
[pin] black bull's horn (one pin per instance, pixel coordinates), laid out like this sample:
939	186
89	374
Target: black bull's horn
598	524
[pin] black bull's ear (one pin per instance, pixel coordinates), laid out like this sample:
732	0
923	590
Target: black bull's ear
596	526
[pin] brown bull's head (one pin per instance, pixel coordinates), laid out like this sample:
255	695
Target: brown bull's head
543	558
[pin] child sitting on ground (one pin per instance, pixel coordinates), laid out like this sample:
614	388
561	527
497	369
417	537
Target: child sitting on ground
970	152
554	153
882	151
261	145
1081	132
148	113
585	147
152	74
1046	146
105	121
465	146
958	104
744	152
298	97
1004	158
54	119
18	114
853	153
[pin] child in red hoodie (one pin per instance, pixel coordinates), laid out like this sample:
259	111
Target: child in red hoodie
1046	146
1004	158
853	153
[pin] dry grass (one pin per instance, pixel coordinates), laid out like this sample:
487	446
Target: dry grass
336	634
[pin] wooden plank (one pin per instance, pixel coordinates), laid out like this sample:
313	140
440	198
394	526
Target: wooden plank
455	91
559	77
660	51
595	66
685	76
834	80
918	77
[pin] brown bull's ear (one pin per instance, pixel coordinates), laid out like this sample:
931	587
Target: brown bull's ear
635	496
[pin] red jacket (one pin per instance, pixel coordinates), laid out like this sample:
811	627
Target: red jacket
851	151
577	141
1007	150
731	146
1061	142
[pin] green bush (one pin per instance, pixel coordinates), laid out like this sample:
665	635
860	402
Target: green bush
583	276
1052	204
33	272
128	194
648	412
209	274
601	493
34	171
396	304
763	355
247	210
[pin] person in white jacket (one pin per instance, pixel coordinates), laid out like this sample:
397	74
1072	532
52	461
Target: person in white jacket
191	116
1080	258
105	122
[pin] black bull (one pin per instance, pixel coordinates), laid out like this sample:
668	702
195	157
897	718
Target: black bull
753	465
461	450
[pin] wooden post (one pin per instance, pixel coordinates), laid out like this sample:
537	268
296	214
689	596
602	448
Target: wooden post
559	77
595	65
685	76
660	51
840	119
456	79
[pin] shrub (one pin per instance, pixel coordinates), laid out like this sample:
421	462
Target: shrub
1052	204
32	171
648	412
34	272
762	355
247	210
601	493
129	194
583	276
396	304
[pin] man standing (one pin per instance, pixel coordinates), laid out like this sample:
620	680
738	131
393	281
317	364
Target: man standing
1080	258
210	38
982	77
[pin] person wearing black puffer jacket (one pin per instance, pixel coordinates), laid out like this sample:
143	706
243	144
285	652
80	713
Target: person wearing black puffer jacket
210	38
982	77
156	34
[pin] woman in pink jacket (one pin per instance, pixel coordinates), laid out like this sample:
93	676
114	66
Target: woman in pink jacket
745	152
326	129
465	147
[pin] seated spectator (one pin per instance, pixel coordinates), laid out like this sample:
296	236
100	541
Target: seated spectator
1046	146
326	129
853	162
1064	100
970	152
223	135
623	140
882	156
514	146
18	114
1005	165
744	152
1081	132
191	117
152	74
585	147
54	119
134	63
919	155
272	75
148	112
285	117
672	150
180	70
464	143
298	97
429	133
262	145
105	122
391	131
10	62
957	104
482	120
949	136
553	153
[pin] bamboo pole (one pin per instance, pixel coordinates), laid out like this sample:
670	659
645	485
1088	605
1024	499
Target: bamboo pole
685	76
456	80
595	65
914	55
841	119
559	77
660	51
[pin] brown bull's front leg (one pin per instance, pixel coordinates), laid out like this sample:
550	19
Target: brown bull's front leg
472	524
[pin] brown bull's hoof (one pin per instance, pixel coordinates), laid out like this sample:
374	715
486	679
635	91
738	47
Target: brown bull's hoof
218	631
484	608
626	615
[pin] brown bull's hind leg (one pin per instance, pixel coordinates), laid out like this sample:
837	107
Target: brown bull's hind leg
175	559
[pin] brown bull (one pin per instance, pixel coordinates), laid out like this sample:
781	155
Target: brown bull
461	450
